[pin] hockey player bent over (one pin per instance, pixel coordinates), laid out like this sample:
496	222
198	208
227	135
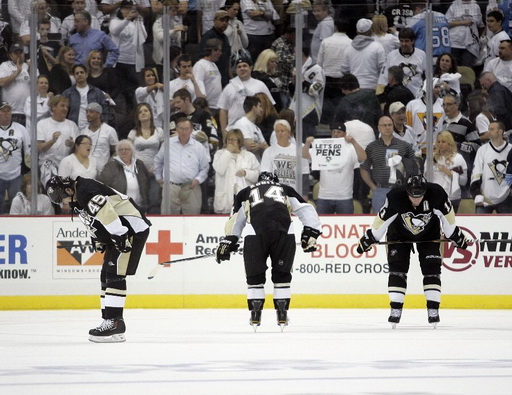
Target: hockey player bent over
265	207
419	211
120	230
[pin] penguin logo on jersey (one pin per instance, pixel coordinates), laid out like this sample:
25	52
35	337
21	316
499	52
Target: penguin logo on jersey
416	223
7	147
498	169
410	71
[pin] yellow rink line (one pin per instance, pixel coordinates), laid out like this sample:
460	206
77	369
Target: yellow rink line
239	301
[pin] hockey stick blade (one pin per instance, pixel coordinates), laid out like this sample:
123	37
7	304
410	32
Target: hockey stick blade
469	241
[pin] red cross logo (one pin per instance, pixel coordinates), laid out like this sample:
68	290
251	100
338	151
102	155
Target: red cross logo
164	248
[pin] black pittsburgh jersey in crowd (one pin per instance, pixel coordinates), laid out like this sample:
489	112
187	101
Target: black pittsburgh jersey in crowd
403	221
106	212
266	206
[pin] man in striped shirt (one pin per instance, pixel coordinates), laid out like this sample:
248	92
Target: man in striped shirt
387	159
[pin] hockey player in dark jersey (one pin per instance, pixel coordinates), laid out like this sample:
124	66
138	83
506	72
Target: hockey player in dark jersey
417	212
118	229
265	208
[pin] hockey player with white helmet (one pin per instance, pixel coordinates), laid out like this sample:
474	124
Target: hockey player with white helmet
265	209
417	213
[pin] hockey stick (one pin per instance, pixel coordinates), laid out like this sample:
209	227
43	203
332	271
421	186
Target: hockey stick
469	241
192	258
169	263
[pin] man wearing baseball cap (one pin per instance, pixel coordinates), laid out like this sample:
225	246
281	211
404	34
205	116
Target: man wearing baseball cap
15	82
401	130
103	136
365	57
220	24
336	192
231	101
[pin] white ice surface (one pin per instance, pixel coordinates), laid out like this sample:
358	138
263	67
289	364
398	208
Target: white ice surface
322	351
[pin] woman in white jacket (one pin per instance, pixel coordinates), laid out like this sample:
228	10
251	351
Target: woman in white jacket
235	168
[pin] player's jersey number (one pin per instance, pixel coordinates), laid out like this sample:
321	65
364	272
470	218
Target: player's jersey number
274	192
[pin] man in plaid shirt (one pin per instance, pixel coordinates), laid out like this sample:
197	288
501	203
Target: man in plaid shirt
284	46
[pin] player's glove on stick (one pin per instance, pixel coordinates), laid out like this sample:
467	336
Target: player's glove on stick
98	245
366	242
459	239
226	247
308	238
122	243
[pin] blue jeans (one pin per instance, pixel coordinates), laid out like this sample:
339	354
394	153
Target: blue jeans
378	198
505	207
12	187
328	206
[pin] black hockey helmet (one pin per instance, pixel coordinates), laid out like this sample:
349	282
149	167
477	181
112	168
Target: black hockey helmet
56	188
268	176
416	185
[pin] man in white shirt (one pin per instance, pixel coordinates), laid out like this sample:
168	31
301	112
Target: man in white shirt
412	61
501	66
206	71
186	79
15	145
329	55
233	95
55	137
188	168
103	136
253	138
15	82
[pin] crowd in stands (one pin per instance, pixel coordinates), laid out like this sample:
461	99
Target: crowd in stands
100	104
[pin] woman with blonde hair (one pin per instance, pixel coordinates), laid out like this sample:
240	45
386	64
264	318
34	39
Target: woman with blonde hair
450	168
61	75
381	33
235	168
265	70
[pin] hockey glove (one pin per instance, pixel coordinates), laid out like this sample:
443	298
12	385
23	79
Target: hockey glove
226	247
122	243
98	245
459	239
366	242
308	238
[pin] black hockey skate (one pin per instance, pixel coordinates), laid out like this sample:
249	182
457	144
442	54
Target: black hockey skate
256	309
282	313
433	317
394	317
110	331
